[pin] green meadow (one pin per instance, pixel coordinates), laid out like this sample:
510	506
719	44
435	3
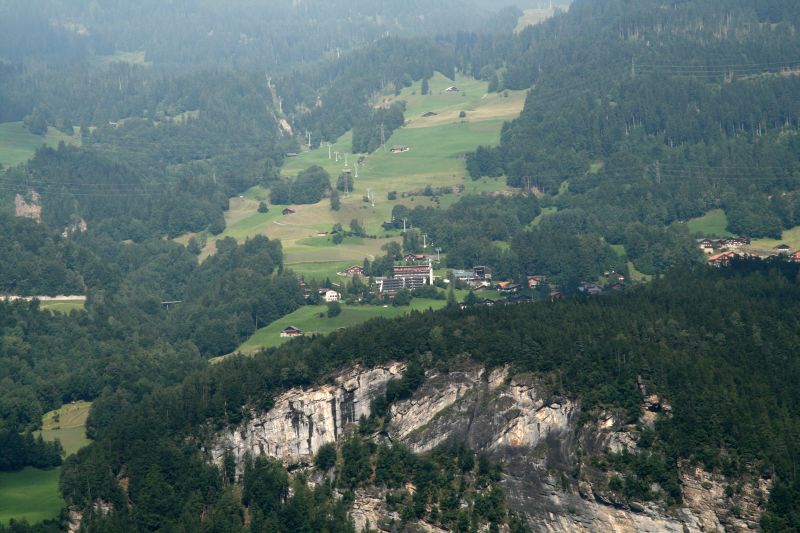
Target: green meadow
437	146
63	307
17	144
32	494
712	224
308	320
790	237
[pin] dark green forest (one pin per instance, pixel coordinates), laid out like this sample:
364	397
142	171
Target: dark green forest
711	341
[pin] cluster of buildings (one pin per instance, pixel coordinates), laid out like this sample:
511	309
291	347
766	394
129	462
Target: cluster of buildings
723	259
709	246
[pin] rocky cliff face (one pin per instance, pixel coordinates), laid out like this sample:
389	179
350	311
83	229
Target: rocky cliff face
303	420
534	434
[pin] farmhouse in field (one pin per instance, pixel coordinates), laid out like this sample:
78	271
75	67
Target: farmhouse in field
288	211
291	331
429	114
399	149
783	249
354	270
330	295
452	89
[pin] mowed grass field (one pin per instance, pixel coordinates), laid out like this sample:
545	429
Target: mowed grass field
791	237
438	145
63	307
32	494
532	17
712	224
67	424
17	144
308	320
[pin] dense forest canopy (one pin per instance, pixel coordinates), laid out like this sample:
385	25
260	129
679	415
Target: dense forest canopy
689	335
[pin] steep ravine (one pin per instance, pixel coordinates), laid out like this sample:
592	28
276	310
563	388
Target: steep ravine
532	433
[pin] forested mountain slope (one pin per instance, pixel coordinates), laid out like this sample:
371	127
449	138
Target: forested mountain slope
715	346
185	35
691	105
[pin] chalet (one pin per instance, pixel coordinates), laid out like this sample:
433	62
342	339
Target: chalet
706	245
508	287
288	211
429	114
782	249
354	270
399	148
735	242
590	289
534	282
411	258
452	89
291	331
483	273
330	295
555	294
616	277
723	259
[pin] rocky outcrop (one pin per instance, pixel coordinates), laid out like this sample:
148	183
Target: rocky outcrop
519	422
30	207
303	420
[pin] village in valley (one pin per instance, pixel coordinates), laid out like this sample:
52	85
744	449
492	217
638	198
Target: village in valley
721	252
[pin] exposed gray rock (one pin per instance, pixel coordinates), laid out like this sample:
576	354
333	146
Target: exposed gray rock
303	420
515	419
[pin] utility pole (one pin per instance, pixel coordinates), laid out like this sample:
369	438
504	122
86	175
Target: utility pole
308	134
438	257
329	150
356	168
404	225
424	240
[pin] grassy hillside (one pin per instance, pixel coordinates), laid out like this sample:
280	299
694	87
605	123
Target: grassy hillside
32	494
309	321
68	425
790	237
63	307
17	144
436	158
712	224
